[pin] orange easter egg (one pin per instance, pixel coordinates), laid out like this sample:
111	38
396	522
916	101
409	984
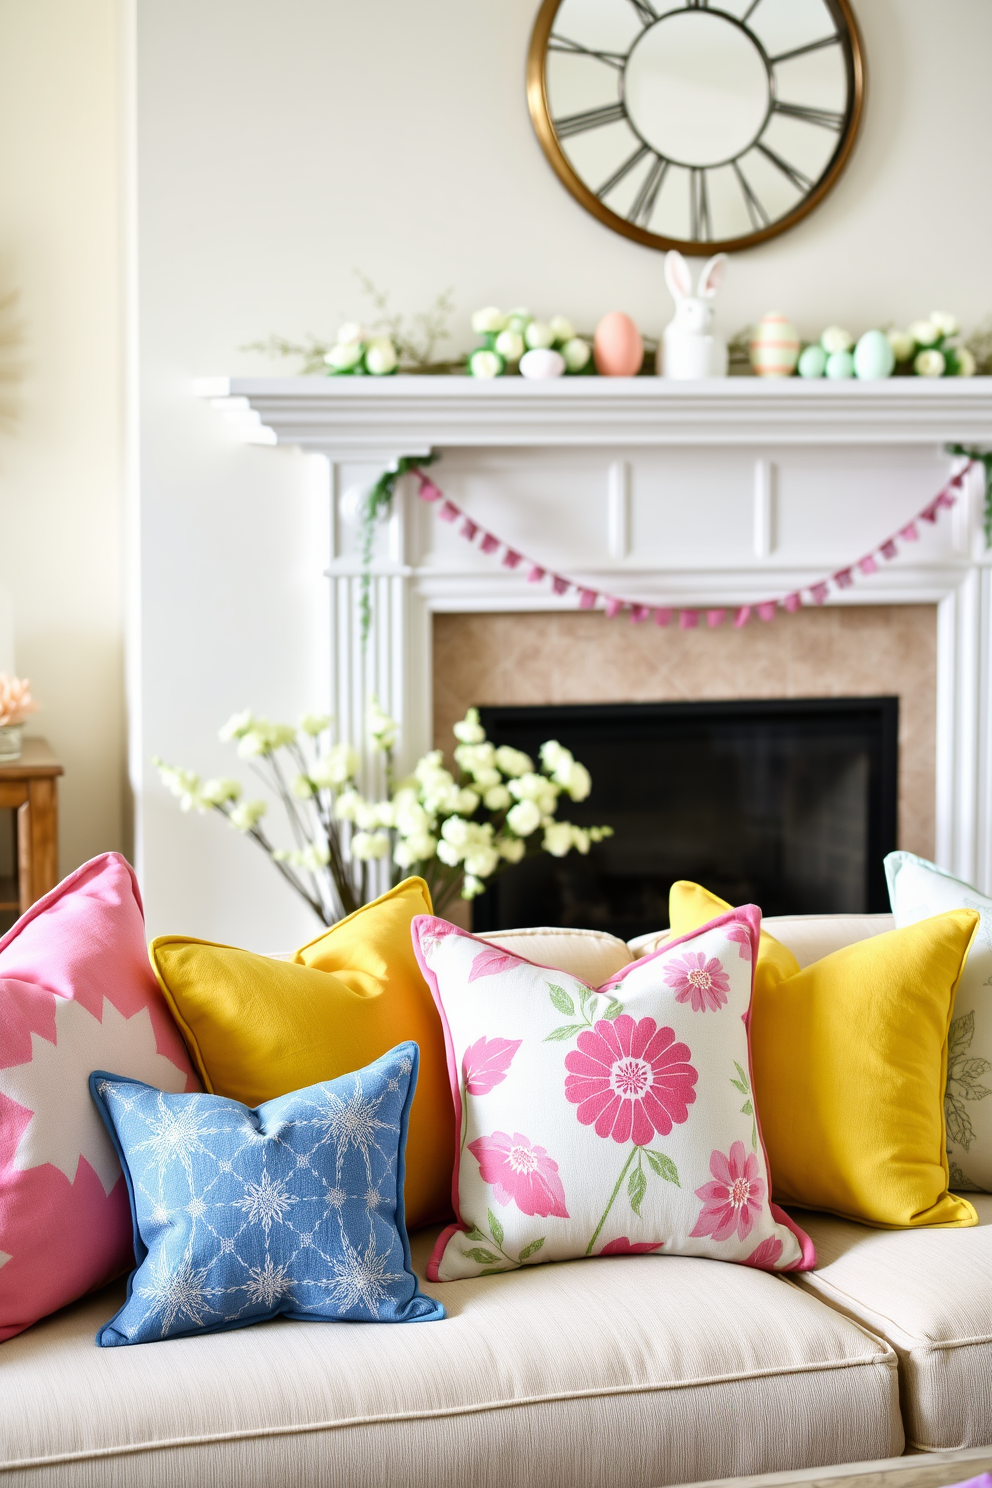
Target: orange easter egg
617	346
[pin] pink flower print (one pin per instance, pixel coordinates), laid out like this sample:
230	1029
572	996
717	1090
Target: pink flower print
631	1079
734	1198
485	1063
431	931
767	1255
704	984
490	961
624	1247
520	1173
742	935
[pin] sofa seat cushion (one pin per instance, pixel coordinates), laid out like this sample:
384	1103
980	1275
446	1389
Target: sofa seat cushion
929	1293
636	1371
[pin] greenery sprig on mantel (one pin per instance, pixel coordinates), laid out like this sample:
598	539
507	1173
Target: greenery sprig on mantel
377	504
984	458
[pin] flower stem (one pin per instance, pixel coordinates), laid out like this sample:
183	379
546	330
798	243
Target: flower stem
609	1206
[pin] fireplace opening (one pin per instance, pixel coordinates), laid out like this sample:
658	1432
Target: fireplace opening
788	804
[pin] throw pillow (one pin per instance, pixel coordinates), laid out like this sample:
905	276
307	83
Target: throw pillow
294	1208
690	906
75	994
919	889
849	1069
607	1121
257	1027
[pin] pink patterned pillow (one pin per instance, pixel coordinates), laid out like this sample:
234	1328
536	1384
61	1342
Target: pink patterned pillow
614	1121
76	994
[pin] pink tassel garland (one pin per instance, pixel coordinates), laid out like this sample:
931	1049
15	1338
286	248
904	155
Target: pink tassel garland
688	619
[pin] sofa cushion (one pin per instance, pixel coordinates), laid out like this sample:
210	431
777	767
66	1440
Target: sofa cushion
929	1293
591	955
811	937
636	1371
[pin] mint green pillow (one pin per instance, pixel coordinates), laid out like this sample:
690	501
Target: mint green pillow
917	890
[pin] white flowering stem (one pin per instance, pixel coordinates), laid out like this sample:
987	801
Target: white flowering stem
267	847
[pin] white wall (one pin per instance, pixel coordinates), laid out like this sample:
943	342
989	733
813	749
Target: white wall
61	468
281	144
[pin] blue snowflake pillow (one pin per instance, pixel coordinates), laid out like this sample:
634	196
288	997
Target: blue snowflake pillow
295	1207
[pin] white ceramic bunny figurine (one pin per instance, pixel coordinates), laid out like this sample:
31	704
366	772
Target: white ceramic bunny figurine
690	350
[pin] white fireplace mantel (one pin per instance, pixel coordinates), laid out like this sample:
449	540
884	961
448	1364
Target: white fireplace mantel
699	494
356	418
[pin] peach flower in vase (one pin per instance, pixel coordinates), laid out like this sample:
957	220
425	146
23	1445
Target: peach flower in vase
16	704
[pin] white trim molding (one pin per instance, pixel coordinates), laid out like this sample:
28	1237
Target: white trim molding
707	494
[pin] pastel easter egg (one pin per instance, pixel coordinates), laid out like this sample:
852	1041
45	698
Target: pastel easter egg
812	362
840	364
617	346
874	356
541	363
774	346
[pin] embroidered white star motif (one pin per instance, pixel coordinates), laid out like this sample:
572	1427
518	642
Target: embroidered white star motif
54	1086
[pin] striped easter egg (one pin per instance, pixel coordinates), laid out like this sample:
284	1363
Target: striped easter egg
774	346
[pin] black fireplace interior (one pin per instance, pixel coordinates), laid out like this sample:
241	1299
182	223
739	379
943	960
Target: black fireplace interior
790	805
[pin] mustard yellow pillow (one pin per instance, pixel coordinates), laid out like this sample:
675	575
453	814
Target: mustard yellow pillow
850	1060
690	906
257	1028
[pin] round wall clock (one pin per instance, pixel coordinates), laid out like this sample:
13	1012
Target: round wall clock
696	125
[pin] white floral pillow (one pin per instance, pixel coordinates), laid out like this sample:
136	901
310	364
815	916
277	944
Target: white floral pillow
608	1121
917	890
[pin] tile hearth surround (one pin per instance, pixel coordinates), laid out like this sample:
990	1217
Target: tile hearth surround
868	651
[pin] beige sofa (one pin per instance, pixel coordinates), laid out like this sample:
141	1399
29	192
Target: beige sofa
622	1373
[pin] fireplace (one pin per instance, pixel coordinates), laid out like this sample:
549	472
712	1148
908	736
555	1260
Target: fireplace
789	804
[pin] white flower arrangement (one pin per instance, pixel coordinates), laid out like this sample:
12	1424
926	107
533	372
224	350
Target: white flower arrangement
455	831
356	352
507	336
925	348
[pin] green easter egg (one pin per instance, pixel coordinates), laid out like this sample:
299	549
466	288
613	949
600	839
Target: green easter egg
873	356
840	364
812	362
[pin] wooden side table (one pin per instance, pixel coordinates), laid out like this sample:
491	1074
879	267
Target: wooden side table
29	786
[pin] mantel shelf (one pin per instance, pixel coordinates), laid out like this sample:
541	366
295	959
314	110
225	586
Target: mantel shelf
356	418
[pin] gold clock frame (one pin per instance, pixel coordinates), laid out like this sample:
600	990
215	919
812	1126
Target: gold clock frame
540	113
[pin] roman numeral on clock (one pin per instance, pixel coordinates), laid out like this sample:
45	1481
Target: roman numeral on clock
595	118
575	49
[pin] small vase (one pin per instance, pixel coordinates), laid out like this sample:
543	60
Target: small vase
11	736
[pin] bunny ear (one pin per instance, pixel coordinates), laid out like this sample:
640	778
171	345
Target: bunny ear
712	276
677	275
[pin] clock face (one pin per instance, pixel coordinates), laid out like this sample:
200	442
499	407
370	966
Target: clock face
696	125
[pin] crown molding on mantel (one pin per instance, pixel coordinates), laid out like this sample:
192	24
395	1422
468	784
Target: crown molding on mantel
370	418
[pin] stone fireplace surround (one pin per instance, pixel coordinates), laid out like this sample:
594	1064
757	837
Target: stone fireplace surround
694	494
